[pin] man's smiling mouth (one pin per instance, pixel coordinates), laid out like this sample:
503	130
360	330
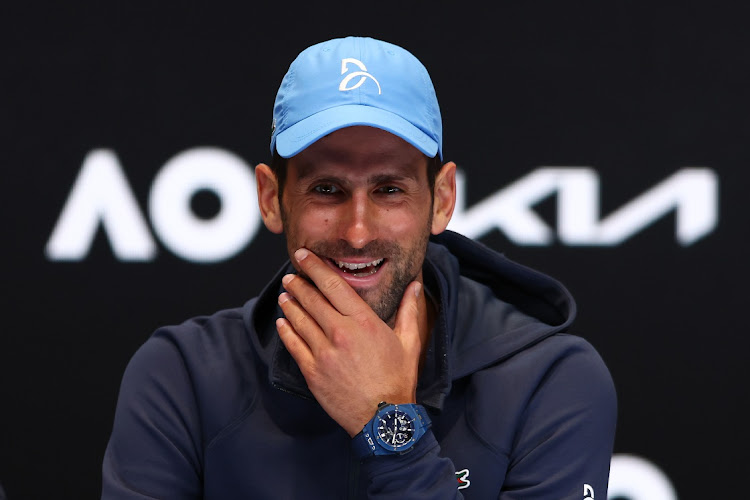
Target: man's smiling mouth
359	270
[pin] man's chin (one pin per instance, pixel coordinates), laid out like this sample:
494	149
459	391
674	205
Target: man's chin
385	307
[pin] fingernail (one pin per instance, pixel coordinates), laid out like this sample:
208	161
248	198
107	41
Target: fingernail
301	254
287	278
283	298
279	322
417	289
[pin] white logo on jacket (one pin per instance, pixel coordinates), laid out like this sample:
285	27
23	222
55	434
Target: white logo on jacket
588	492
462	477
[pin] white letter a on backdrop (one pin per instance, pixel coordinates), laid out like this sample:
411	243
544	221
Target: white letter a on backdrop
101	193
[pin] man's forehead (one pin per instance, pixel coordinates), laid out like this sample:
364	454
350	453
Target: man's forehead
360	148
376	166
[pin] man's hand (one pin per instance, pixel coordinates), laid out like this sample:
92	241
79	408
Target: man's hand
349	357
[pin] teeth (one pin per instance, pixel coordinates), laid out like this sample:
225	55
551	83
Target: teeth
354	267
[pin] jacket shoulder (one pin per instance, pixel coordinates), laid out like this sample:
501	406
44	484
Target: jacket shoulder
205	362
559	398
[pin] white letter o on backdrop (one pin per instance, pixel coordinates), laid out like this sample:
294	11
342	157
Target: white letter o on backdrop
636	478
191	237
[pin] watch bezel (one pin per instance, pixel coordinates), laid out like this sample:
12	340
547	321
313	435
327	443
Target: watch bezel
394	409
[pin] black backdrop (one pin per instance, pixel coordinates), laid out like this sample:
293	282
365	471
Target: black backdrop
636	91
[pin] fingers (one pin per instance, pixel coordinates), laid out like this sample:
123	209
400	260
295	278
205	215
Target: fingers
298	325
317	308
335	288
296	346
309	303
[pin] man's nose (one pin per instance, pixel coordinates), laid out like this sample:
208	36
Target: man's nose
360	222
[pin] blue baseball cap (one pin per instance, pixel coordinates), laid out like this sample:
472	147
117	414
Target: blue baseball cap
356	81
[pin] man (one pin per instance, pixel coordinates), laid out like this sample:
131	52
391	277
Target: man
377	363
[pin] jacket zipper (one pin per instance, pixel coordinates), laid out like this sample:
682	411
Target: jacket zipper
353	479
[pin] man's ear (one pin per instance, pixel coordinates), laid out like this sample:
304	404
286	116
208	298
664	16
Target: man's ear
445	197
268	198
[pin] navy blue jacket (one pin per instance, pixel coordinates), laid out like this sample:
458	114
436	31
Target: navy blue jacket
216	408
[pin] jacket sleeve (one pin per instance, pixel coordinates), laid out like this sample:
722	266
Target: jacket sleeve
420	474
566	432
153	451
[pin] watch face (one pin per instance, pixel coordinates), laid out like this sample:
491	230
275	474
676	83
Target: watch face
395	429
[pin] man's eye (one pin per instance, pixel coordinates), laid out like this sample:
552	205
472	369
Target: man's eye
389	190
326	189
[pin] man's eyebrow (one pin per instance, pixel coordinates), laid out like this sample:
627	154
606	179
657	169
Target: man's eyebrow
392	177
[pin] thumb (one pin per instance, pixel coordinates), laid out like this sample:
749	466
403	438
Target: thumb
407	316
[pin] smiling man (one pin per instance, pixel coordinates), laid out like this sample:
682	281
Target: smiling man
390	358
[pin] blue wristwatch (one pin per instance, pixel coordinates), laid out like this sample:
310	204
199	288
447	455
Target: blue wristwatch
393	430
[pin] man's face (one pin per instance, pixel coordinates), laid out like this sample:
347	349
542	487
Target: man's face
359	198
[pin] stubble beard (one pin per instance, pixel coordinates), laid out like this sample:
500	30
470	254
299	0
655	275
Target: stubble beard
404	265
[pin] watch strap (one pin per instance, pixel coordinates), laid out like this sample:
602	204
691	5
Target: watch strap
425	418
363	444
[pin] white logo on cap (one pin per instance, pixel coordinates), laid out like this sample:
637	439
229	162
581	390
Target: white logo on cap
364	75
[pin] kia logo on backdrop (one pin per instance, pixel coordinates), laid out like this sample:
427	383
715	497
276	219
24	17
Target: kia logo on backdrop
102	196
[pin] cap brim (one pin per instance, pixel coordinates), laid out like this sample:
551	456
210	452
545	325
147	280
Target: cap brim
305	132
